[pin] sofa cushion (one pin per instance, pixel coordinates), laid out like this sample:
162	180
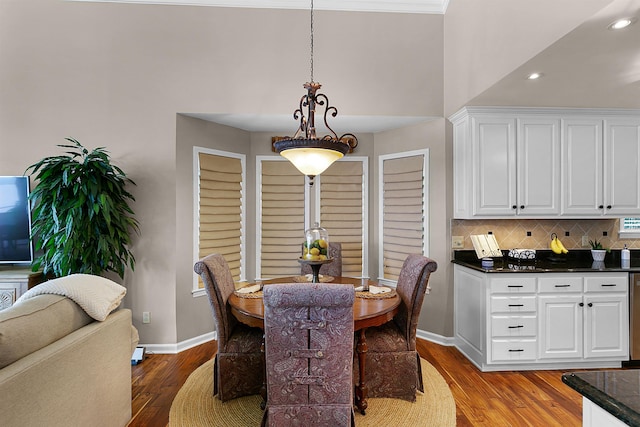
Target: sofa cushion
32	324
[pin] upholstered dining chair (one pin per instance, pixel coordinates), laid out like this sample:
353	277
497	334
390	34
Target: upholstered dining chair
309	354
393	365
334	268
238	368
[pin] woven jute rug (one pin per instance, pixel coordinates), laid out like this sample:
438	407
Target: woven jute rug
195	405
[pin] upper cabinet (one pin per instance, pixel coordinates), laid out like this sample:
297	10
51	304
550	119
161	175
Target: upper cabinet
536	163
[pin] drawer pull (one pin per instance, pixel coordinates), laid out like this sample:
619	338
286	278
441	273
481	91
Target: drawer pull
516	350
608	284
515	286
516	305
516	327
562	286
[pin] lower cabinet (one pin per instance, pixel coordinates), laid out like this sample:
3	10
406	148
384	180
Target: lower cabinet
507	321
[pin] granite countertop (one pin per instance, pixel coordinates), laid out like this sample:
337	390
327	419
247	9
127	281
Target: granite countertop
617	392
576	261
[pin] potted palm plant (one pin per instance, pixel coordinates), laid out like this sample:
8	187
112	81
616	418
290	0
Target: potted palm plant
597	251
82	221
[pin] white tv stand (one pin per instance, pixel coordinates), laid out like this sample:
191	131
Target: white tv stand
14	281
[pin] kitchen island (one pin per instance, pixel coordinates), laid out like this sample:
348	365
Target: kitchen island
550	313
610	398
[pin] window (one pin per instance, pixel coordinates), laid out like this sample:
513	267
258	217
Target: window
280	217
342	200
220	200
629	228
403	222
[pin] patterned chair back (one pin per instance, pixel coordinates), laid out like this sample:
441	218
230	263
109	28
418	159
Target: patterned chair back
238	368
412	286
309	354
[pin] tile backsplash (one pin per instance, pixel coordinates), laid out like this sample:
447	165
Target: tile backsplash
536	233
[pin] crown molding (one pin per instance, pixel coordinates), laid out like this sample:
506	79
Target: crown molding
392	6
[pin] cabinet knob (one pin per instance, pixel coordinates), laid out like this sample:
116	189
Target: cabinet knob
590	304
581	304
600	207
608	206
514	207
521	206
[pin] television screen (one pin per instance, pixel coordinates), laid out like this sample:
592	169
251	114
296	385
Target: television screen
15	220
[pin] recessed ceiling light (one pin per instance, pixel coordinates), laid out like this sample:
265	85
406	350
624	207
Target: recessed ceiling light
534	76
621	23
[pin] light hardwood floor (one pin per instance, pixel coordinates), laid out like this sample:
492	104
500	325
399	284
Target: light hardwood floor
529	398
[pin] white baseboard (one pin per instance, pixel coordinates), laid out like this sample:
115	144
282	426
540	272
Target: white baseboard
192	342
438	339
181	346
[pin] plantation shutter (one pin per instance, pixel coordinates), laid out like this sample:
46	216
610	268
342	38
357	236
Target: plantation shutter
403	212
341	211
220	209
282	219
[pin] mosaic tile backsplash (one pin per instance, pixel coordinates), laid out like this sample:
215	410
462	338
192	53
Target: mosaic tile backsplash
536	234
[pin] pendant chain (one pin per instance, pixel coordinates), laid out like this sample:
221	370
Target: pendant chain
311	41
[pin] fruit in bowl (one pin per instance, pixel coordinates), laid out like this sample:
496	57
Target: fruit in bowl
316	251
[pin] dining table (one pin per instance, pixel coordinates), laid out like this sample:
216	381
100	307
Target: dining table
368	311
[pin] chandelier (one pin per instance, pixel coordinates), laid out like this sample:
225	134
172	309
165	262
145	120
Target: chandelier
309	153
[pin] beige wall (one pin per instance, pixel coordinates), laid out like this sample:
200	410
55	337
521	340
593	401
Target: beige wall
119	75
436	315
486	40
116	75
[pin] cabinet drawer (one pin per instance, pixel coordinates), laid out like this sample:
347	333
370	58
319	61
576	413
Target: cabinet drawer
513	326
606	284
512	350
513	285
513	304
560	284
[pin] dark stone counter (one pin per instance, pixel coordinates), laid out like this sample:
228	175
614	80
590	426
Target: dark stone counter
576	261
617	392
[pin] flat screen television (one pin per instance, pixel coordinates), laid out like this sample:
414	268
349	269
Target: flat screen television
15	221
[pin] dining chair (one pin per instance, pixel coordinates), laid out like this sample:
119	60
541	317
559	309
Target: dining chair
392	363
309	354
334	268
238	368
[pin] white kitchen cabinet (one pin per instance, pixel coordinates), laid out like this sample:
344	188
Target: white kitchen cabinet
546	162
621	167
512	321
601	166
505	165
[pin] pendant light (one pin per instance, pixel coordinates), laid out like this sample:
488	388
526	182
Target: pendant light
309	153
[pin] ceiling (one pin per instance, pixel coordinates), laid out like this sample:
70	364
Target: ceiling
590	67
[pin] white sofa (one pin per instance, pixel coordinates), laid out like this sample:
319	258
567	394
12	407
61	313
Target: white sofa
61	367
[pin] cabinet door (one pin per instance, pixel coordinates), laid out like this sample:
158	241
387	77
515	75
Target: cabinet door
606	332
622	167
582	167
538	167
494	154
560	330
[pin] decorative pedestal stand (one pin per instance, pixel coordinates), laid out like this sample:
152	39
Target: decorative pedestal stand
315	267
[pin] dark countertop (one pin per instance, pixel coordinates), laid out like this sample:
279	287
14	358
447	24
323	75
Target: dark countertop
617	392
576	261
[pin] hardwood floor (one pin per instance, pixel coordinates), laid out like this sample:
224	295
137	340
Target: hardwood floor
528	398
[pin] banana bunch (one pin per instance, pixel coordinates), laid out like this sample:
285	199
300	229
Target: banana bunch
556	245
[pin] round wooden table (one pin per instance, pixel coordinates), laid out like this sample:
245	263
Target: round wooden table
366	312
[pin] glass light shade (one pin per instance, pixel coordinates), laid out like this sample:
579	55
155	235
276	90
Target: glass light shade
311	161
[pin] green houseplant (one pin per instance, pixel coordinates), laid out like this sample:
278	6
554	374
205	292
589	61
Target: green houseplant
598	252
81	218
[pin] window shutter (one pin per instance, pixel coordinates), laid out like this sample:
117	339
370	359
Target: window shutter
282	219
403	212
220	209
341	211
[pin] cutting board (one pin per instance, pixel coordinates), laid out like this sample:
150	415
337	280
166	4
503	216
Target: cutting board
485	245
